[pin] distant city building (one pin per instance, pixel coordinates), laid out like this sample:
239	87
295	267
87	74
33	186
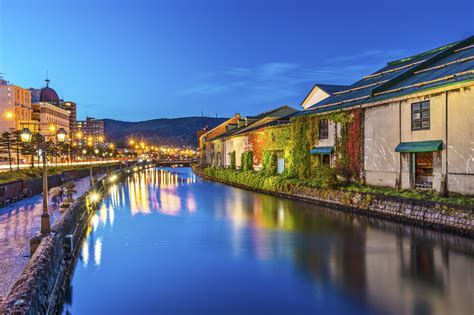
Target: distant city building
71	107
91	127
15	108
50	118
48	110
45	94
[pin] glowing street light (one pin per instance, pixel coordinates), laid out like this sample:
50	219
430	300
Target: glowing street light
9	115
61	135
25	136
94	197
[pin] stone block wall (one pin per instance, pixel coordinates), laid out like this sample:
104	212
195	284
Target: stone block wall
457	219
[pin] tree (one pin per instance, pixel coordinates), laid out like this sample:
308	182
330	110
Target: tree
70	191
30	147
6	145
16	142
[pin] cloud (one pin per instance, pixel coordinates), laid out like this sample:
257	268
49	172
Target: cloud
211	88
278	78
280	82
369	54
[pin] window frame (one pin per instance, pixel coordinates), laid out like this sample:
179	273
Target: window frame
326	136
420	111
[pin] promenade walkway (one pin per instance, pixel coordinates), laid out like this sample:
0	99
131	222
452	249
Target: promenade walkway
19	222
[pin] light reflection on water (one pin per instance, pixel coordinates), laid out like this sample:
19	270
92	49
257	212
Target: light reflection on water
167	242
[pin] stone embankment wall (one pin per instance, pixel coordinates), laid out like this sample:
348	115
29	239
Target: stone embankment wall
451	218
43	283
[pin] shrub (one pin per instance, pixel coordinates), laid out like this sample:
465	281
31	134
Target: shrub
247	161
345	171
269	163
326	177
232	160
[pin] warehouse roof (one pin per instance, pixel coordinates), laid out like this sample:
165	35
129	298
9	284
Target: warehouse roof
443	65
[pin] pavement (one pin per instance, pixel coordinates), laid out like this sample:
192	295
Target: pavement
19	222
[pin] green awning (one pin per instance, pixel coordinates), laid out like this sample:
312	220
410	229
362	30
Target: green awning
420	146
322	150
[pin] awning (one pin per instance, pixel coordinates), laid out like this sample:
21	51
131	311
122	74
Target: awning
420	146
322	150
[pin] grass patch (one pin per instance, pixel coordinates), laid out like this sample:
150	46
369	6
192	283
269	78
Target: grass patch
31	173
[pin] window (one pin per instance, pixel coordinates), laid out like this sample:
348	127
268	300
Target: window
420	115
323	129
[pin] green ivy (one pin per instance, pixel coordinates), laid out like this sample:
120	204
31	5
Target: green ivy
232	160
246	161
304	137
269	163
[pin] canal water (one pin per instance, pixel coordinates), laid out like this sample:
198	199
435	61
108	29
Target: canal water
167	242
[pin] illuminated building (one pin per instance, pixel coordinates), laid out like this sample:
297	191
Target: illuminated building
47	110
15	108
71	107
91	127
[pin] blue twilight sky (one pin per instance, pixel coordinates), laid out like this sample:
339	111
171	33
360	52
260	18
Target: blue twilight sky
138	60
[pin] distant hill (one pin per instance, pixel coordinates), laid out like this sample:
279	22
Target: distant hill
162	131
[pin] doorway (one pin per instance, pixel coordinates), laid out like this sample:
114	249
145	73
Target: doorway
423	170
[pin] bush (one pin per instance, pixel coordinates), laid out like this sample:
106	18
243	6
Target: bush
232	160
326	177
269	163
247	161
345	171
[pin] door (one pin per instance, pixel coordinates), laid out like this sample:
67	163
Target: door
424	170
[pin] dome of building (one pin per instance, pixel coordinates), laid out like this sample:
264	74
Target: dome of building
48	94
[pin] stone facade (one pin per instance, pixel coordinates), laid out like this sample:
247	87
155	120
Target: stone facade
451	121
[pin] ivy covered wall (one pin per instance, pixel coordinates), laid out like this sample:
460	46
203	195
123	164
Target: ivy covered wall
348	150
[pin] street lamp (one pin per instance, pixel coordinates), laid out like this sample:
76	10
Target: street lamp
25	136
61	135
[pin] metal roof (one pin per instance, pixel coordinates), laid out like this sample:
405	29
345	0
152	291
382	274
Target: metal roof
263	118
444	65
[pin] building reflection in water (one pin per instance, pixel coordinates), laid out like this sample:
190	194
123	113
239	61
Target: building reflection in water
155	190
381	263
392	268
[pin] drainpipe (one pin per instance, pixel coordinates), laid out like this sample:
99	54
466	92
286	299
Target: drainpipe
400	140
445	184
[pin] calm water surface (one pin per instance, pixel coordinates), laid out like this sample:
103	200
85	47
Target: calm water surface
167	242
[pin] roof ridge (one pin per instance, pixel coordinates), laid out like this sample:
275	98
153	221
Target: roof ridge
440	53
394	62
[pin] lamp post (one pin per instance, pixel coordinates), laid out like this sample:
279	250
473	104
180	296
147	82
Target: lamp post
25	136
